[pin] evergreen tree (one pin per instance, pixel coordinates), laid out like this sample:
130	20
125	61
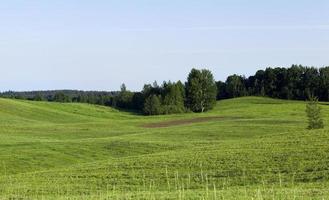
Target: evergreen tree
311	81
138	101
324	84
269	82
221	90
313	112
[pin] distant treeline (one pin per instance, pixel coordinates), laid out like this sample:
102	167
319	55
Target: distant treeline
64	96
198	94
297	83
200	91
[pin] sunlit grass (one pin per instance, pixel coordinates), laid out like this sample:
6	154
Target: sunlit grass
259	149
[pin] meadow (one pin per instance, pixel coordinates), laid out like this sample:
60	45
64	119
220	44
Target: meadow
246	148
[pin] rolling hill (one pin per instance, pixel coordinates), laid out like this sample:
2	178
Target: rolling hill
246	148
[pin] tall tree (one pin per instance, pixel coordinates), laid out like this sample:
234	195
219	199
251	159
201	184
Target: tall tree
235	86
221	90
173	101
259	83
152	105
324	84
311	81
138	101
125	98
201	90
270	82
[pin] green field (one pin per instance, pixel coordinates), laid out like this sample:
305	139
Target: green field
246	148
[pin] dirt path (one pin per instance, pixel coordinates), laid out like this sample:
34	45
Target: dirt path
184	121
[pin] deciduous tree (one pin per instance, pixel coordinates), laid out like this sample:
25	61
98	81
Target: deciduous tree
152	105
201	90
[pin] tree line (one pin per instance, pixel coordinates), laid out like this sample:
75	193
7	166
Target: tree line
297	83
200	92
64	96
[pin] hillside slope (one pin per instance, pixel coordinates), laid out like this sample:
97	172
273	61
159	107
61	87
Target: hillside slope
245	148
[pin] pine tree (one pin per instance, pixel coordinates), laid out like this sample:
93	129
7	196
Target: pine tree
313	112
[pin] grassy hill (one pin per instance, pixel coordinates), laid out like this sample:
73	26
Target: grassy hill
246	148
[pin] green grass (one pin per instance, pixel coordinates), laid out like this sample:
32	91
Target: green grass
260	149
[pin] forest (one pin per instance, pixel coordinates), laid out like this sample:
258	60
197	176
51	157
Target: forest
200	92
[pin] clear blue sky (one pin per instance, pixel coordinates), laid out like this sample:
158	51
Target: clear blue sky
99	44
